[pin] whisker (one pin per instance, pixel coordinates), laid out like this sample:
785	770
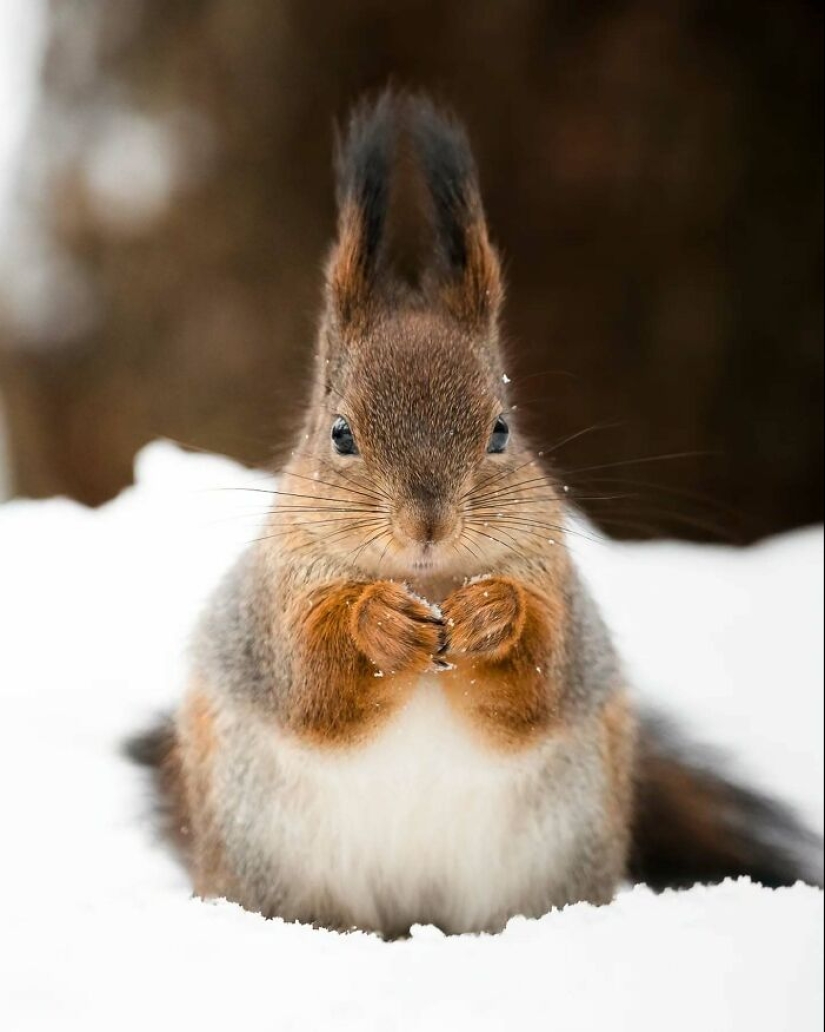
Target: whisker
332	504
518	522
564	532
667	489
593	428
542	454
326	522
283	494
386	547
253	490
366	543
664	516
353	527
561	539
303	507
323	509
507	534
544	372
507	492
477	495
341	535
336	487
501	491
515	500
638	462
508	471
511	499
491	537
338	472
466	545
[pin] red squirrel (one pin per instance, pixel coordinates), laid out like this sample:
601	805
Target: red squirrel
404	705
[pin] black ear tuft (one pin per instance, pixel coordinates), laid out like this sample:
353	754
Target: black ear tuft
363	163
450	171
466	274
468	260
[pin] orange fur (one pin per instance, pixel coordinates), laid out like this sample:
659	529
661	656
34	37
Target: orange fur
478	295
199	724
348	280
503	637
355	640
486	617
197	742
395	629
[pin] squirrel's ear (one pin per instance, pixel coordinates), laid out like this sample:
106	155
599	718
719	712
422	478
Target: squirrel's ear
363	160
468	271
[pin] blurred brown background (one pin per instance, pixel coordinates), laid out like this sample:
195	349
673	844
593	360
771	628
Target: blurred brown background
652	172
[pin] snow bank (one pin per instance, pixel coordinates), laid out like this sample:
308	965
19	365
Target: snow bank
97	930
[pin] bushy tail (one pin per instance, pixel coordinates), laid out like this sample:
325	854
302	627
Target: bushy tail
153	746
694	825
156	749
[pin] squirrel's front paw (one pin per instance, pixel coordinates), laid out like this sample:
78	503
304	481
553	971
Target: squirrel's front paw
396	629
485	617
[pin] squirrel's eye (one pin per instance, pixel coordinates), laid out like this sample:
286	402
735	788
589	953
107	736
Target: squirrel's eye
342	439
499	436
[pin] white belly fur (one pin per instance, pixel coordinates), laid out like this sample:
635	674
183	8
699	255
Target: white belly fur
423	823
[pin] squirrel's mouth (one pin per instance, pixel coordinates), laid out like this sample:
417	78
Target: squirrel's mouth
404	557
420	565
421	558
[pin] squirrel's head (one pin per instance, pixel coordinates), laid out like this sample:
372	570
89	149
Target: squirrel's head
410	459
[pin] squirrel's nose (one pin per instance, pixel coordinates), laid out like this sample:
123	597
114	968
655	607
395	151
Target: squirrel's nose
425	518
428	528
433	528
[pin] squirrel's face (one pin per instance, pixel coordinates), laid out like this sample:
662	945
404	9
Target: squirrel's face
413	457
409	461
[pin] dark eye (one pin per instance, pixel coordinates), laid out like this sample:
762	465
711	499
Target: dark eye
342	439
499	436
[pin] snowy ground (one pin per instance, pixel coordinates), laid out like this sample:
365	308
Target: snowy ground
98	930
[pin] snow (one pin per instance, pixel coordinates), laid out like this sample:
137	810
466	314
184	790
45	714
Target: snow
98	930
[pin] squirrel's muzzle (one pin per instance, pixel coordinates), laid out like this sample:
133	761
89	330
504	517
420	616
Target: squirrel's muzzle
426	516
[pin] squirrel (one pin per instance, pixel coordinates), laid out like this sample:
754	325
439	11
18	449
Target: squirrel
404	705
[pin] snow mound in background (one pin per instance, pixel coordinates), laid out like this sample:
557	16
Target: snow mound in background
97	930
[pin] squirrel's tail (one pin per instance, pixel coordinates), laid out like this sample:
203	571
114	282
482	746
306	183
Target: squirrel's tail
156	749
693	825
